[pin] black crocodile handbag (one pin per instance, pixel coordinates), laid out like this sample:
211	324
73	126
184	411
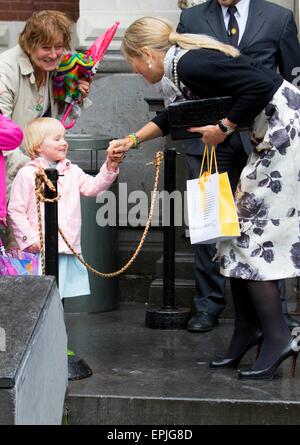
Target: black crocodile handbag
196	113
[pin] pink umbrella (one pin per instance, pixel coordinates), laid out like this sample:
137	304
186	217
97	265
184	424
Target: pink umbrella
86	65
99	47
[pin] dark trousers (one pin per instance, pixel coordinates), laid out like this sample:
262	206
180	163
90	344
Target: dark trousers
210	284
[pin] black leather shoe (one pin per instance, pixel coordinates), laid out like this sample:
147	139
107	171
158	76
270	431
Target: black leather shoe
202	322
291	322
268	373
233	362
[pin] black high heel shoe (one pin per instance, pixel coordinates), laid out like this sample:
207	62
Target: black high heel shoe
269	373
256	340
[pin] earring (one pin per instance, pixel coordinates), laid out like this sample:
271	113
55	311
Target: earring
149	64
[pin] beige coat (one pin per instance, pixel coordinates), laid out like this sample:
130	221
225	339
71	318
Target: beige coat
18	100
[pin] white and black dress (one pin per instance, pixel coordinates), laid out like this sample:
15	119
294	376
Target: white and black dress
268	195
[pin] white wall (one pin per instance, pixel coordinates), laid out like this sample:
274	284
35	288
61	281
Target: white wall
96	16
9	32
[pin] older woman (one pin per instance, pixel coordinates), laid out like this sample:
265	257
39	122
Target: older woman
268	193
26	79
26	73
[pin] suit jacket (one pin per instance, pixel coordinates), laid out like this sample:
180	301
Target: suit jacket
270	36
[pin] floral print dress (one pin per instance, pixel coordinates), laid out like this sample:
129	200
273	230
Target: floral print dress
268	198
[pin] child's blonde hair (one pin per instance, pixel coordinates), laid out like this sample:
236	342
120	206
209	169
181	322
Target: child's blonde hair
37	130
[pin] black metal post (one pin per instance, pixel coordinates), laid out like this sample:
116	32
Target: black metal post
51	226
169	233
168	316
77	367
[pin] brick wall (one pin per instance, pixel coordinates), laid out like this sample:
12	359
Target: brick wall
20	10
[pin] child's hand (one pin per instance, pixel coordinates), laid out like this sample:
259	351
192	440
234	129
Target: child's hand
34	248
118	147
113	162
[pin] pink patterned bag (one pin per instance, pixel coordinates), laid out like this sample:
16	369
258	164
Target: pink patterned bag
17	262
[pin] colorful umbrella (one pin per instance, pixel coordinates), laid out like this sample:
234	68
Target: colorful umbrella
79	66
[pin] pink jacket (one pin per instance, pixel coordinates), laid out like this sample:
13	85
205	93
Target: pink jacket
11	137
73	183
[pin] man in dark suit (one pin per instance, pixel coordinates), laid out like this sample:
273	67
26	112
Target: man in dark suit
265	32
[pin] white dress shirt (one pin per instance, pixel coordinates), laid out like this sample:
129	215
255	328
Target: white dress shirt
241	16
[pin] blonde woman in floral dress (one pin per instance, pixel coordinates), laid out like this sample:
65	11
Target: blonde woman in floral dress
268	198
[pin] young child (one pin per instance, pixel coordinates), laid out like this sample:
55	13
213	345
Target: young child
11	137
46	145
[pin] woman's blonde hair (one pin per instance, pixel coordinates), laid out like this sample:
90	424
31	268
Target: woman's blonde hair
158	33
43	28
37	130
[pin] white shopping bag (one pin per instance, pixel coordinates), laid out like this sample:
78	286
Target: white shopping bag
212	214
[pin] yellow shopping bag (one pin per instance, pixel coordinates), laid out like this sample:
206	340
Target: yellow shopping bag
211	209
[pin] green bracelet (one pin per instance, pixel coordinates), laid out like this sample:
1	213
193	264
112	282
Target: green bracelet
135	140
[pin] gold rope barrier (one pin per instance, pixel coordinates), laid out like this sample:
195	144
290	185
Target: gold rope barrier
41	177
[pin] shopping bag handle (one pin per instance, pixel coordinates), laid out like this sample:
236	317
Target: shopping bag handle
209	159
213	158
204	175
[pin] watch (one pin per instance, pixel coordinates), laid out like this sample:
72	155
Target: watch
225	128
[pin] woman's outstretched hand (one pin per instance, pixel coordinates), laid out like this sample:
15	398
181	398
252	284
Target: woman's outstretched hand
210	134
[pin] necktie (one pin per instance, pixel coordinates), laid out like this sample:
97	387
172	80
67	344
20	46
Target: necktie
233	27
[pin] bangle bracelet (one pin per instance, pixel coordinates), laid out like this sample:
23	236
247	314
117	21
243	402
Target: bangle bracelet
135	140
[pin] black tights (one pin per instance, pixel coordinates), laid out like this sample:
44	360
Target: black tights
258	307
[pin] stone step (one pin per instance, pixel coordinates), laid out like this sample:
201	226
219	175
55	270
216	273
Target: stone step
145	376
33	351
184	266
134	288
144	410
184	293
